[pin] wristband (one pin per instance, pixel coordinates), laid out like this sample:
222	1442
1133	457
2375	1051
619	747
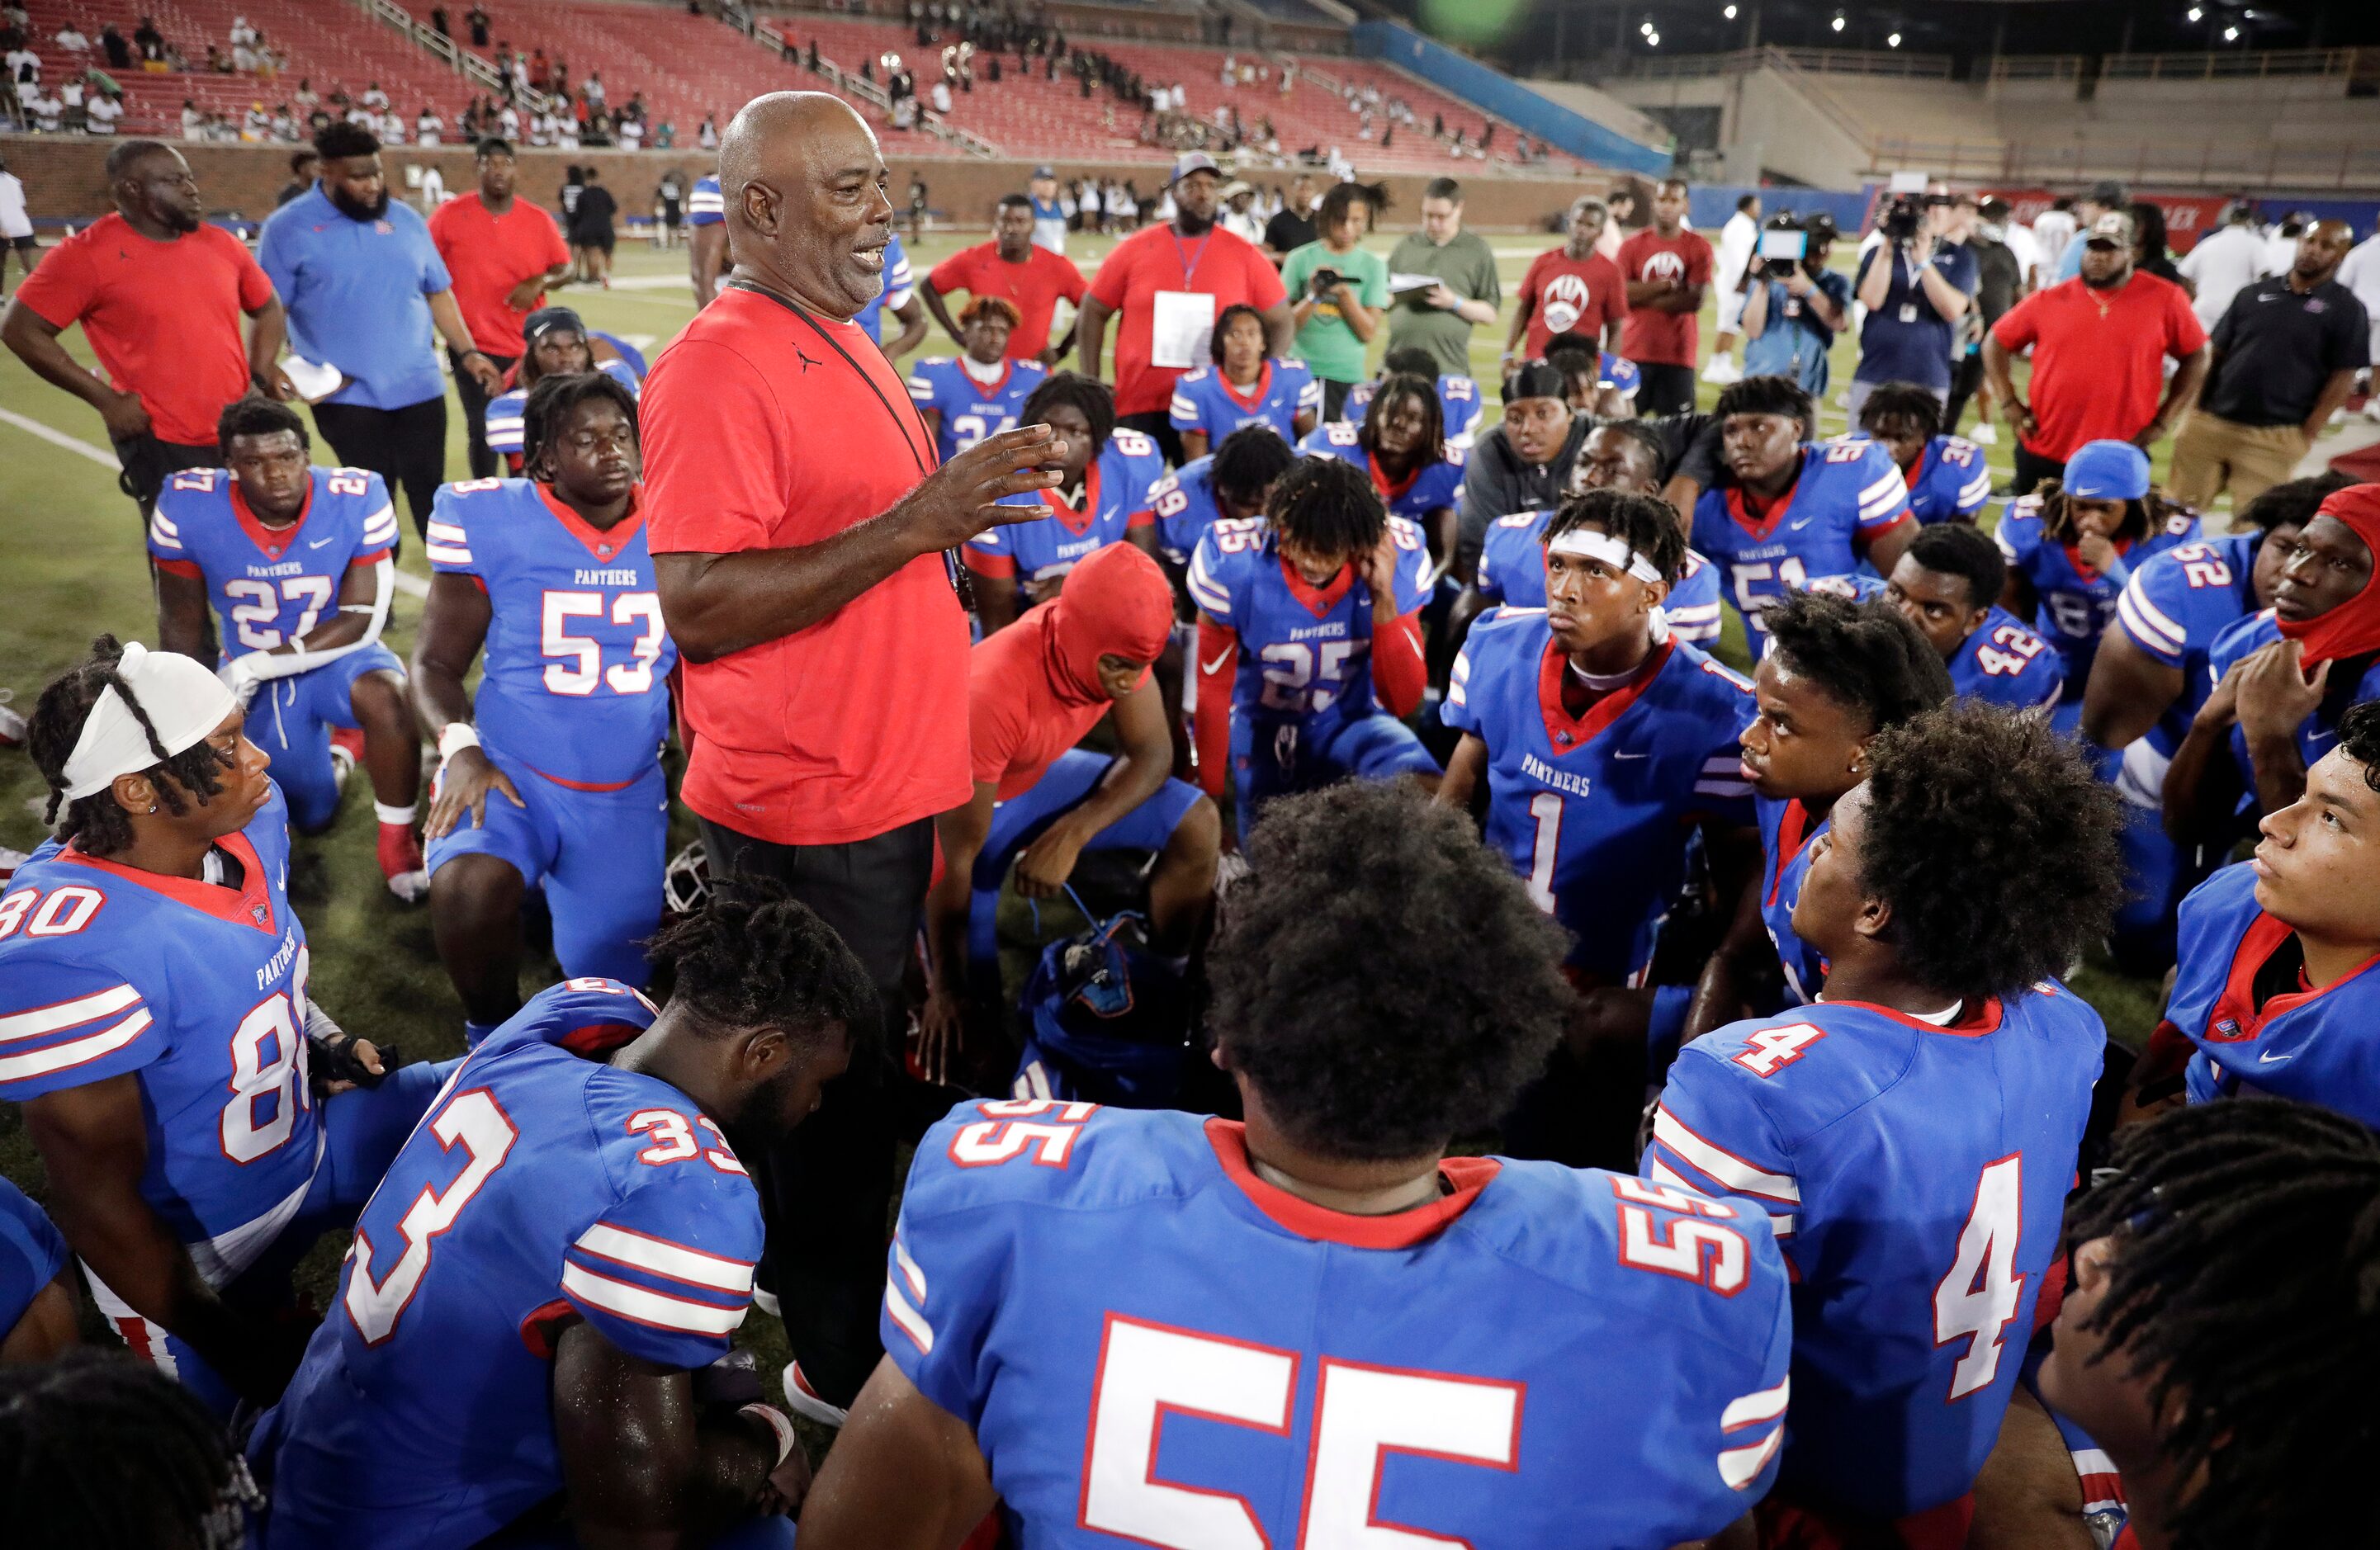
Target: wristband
777	1423
458	736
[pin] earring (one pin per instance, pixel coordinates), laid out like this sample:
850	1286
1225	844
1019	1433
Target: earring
152	806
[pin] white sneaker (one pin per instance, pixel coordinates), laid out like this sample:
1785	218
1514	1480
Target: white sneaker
12	725
1985	434
1722	372
805	1401
765	1300
411	887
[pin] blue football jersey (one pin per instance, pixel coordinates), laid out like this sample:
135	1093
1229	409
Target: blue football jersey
1116	490
197	988
2001	662
2240	998
1435	487
1205	401
1596	810
543	1188
2174	606
269	586
2076	601
1306	656
2318	734
1785	835
1152	1344
31	1254
1916	1175
1461	406
576	665
1846	493
1183	506
507	428
1949	481
971	410
900	285
1513	572
705	206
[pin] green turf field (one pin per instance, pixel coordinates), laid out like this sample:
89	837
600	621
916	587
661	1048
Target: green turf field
71	551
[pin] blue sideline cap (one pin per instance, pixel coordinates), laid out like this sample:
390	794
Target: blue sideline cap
2107	471
1190	162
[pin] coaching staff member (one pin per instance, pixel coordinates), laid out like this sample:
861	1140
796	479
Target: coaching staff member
800	532
503	253
364	283
159	294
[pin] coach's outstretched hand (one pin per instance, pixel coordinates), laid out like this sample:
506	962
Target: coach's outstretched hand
960	499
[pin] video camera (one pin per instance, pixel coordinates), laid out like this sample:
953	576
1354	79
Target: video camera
1904	215
1784	243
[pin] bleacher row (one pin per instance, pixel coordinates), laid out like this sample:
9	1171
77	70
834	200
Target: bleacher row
690	66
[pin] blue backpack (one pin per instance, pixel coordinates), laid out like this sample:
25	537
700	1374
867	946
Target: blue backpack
1105	1019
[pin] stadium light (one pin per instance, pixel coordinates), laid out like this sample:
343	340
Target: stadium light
1645	28
2230	34
1652	40
1729	13
1838	23
2197	14
1892	42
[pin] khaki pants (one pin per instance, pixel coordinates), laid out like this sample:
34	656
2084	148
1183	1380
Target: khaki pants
2212	455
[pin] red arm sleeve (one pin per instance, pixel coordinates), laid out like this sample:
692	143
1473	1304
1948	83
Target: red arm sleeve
1218	660
1398	673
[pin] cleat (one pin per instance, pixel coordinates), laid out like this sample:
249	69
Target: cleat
804	1400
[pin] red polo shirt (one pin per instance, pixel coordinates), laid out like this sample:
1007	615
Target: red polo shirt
1159	259
765	427
1653	337
1033	287
162	316
2098	358
488	255
1581	295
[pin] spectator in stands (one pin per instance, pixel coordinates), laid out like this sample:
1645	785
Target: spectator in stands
502	252
2282	357
1736	241
1292	226
159	294
149	43
1168	292
1790	319
1667	268
1012	266
112	45
1440	318
1569	290
2227	261
365	286
476	20
1524	463
1339	290
2099	345
71	38
1917	285
2105	199
101	114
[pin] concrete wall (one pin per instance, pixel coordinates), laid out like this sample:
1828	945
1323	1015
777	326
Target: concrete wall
65	179
1766	127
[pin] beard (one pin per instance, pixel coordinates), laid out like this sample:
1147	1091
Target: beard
355	210
178	219
2108	282
1192	224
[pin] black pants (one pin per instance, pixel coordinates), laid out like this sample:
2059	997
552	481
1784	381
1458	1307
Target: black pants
406	447
2032	469
1965	377
1158	425
1334	397
826	1190
485	464
1664	389
146	461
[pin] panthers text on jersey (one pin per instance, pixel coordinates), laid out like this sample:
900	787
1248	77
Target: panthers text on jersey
1182	505
509	425
970	409
1513	572
2240	997
1432	487
544	1188
1151	1343
1460	407
2318	734
1116	492
2076	601
1785	835
578	661
1594	810
1950	482
1914	1172
1846	495
271	585
1207	402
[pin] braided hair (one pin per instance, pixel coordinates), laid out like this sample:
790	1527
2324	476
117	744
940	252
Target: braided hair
1327	505
1093	399
1645	525
2142	518
552	398
754	956
1891	401
97	822
102	1452
1396	386
2245	1292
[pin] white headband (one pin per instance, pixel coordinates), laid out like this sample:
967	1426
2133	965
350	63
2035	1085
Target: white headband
185	703
1588	545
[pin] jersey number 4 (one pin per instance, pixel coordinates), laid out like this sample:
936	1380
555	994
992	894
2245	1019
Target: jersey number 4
1361	1412
1979	1298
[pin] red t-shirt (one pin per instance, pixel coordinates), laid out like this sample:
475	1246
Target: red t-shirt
2098	358
1652	337
488	255
162	316
1226	267
1568	295
1017	722
768	429
1033	287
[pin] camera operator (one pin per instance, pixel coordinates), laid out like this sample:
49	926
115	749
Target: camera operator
1339	290
1916	285
1793	307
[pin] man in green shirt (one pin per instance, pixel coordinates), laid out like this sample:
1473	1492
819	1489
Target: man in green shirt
1337	318
1440	318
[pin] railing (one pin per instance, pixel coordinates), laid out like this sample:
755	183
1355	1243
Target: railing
2212	163
457	58
1811	61
2254	64
2036	66
856	84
